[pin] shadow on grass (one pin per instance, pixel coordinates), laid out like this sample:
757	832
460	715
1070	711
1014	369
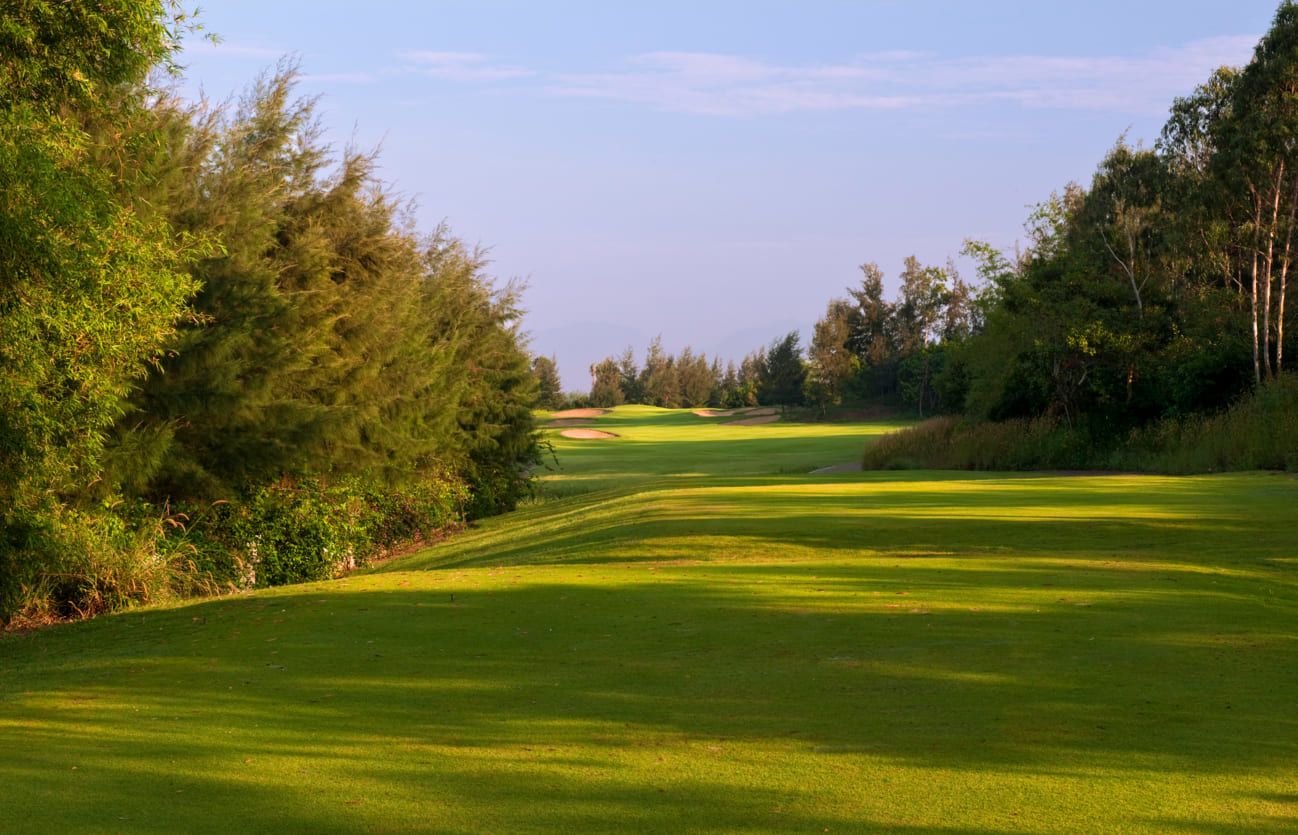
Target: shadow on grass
1216	522
978	643
736	697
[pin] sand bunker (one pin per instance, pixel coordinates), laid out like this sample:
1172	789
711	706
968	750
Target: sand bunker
580	413
710	413
554	424
587	434
752	421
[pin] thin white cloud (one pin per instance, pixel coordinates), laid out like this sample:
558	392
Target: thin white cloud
732	85
722	84
460	66
341	77
222	49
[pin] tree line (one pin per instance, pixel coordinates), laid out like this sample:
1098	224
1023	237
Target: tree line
211	322
1159	290
772	375
1145	322
1155	294
865	349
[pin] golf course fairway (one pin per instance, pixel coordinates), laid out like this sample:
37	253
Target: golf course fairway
690	632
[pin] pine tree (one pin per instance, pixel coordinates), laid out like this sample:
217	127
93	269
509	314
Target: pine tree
783	374
659	382
695	378
831	361
629	377
549	388
606	389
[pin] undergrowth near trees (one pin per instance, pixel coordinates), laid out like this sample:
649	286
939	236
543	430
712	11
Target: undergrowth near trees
96	560
1259	432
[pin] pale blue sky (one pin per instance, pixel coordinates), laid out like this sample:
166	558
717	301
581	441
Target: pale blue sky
715	171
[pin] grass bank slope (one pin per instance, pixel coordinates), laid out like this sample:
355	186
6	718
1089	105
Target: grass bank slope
723	651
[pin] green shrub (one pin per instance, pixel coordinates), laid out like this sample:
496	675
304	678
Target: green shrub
19	555
63	562
496	490
1259	432
289	536
415	511
296	532
953	443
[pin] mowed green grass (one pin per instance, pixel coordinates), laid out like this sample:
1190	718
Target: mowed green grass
746	650
655	443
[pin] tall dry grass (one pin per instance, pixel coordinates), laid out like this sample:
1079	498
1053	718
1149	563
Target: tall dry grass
1260	432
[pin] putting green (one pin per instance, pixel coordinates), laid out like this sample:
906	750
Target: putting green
705	643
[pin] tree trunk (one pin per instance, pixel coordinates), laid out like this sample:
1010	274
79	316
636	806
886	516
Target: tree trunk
1252	299
1252	296
1268	268
1128	269
1285	260
1279	324
1131	248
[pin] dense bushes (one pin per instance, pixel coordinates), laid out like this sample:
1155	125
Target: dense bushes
955	443
92	287
311	530
330	338
80	562
1259	432
203	307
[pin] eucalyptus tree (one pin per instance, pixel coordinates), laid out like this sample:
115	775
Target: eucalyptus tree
1251	133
